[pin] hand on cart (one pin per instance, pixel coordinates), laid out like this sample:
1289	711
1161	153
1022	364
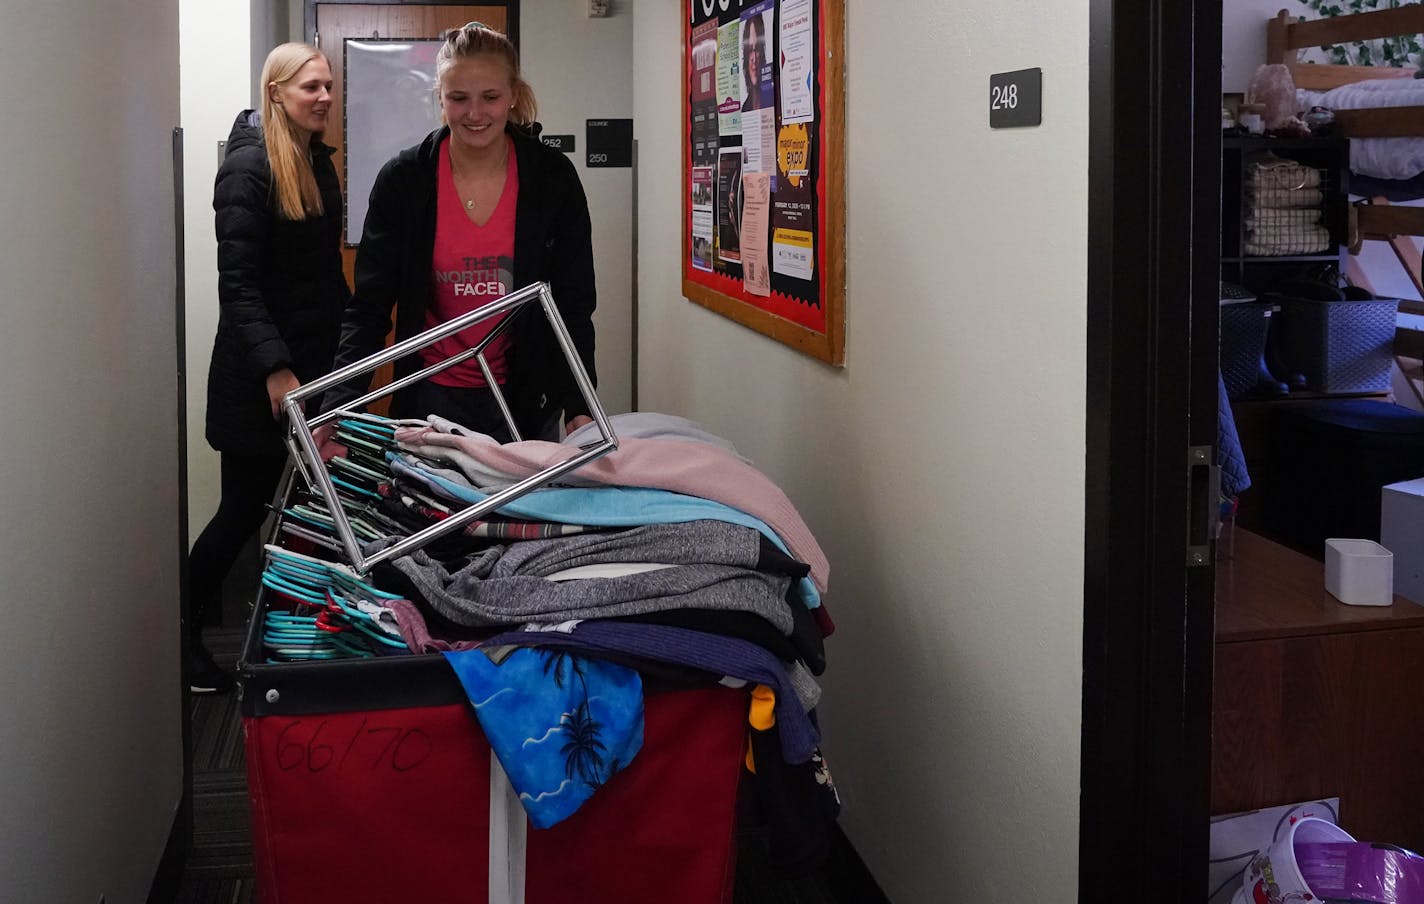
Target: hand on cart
279	383
326	444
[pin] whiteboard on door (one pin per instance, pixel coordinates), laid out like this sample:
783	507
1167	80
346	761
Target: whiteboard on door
390	104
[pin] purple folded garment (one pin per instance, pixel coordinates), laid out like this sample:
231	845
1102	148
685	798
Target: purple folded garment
1361	871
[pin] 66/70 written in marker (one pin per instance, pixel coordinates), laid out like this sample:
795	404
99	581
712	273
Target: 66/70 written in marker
1016	99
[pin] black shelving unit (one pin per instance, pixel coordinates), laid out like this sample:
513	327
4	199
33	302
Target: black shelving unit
1261	273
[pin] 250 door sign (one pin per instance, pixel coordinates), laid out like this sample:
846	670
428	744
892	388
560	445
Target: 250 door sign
306	744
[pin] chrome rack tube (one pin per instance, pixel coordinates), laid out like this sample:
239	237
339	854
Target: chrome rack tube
585	385
303	444
323	482
420	341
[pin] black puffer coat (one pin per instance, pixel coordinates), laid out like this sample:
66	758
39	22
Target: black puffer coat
281	291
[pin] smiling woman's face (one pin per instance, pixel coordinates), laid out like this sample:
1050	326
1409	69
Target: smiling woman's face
476	95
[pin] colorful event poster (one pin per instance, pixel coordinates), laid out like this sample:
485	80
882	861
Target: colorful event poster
798	55
703	215
729	79
794	205
702	94
759	94
759	142
756	195
758	85
729	206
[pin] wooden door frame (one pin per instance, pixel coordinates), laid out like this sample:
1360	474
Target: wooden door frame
1153	268
309	12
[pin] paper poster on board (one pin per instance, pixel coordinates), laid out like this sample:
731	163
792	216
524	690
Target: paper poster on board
756	195
794	205
758	90
796	74
729	79
729	206
702	94
704	214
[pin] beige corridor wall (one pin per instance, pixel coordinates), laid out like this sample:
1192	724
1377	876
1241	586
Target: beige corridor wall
90	756
942	469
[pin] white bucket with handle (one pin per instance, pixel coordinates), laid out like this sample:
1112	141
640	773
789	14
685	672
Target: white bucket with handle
1273	877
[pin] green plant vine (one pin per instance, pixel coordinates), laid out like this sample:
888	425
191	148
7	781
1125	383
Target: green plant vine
1401	50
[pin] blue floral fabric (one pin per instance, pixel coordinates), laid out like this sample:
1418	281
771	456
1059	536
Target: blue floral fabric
560	724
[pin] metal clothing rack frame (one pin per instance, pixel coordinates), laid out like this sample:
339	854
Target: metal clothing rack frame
307	457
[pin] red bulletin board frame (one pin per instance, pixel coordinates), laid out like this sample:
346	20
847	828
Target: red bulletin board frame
815	329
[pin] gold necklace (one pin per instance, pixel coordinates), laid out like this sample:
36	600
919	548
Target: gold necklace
469	204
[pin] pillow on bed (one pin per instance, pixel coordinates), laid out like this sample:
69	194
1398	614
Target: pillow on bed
1382	158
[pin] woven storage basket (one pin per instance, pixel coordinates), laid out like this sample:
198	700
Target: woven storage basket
1243	342
1338	346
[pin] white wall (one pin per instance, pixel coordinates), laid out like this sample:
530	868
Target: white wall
217	83
90	764
581	69
270	23
1243	37
942	469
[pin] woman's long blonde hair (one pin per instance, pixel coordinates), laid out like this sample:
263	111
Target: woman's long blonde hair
476	38
293	181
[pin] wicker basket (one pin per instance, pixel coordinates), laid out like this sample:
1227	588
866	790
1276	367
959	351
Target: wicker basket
1243	344
1337	346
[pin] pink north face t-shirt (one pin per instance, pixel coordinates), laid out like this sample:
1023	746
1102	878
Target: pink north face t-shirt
472	266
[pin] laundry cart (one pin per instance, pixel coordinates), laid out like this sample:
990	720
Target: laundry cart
370	779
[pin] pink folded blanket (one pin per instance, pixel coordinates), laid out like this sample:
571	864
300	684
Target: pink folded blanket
693	469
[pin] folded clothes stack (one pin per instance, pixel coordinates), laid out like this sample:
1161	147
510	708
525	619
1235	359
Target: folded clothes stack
1284	200
669	562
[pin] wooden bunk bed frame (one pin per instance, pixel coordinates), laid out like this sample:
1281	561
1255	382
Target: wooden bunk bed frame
1373	219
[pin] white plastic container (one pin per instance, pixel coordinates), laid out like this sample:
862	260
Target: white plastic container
1359	572
1402	532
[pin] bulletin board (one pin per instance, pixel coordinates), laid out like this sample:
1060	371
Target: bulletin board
764	167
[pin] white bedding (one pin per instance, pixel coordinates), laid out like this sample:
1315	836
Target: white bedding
1383	158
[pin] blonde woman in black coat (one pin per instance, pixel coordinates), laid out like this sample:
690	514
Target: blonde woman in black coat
281	292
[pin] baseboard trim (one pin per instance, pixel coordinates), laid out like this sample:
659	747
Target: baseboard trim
168	878
847	871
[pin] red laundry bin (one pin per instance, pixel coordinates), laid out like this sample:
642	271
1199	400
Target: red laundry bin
369	783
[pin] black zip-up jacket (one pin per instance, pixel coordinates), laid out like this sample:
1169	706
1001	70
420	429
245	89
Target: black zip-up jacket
281	291
553	243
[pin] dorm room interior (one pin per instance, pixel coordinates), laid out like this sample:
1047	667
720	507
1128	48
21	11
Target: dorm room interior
1322	429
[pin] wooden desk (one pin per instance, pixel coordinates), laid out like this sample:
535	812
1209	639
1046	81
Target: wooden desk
1316	699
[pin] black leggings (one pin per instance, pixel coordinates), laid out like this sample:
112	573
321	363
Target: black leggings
248	484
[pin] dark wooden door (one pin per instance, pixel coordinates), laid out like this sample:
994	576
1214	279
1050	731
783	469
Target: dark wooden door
1153	270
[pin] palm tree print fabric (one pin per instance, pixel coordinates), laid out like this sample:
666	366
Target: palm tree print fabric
560	724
